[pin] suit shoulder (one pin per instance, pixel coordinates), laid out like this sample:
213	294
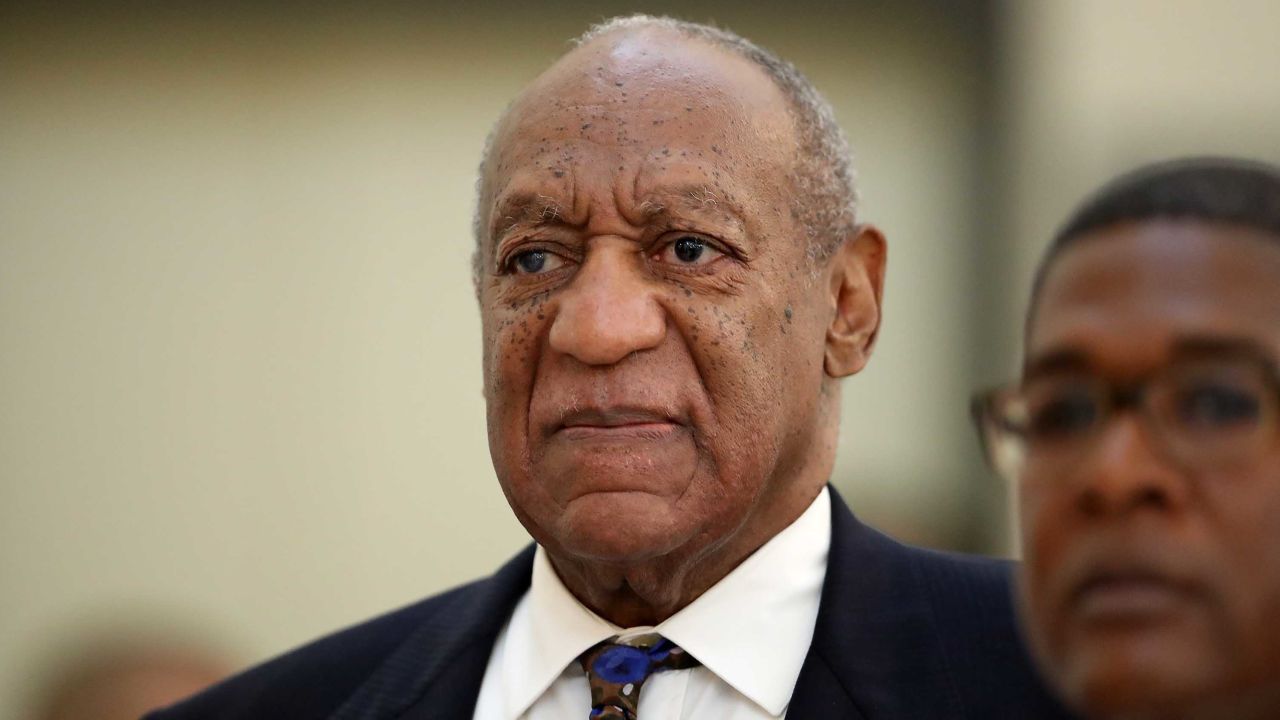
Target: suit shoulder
970	595
973	578
972	601
312	680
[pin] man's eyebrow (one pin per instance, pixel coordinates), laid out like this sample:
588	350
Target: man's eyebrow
1054	361
1214	345
526	207
694	197
1068	359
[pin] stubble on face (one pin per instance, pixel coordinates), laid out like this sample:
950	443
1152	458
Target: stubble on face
652	422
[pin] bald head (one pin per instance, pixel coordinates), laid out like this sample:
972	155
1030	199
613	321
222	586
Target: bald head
629	64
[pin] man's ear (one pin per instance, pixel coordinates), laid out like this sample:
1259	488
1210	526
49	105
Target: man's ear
856	290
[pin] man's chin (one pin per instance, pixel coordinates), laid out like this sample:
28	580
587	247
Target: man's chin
1113	683
620	527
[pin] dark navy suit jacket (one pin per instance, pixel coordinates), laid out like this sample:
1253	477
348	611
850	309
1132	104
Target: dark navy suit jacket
901	633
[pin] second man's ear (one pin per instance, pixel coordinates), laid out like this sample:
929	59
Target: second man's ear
856	293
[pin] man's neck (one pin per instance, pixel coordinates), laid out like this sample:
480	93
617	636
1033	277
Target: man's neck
1256	703
646	593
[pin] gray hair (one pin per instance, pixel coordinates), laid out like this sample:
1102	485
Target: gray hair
823	176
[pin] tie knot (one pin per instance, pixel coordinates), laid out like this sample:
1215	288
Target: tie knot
618	667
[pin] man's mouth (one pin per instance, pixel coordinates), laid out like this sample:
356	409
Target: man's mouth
618	424
1130	594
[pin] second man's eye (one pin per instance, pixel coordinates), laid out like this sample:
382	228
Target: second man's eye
1062	414
1212	406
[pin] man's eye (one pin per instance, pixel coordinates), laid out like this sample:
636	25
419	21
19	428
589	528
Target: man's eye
689	250
1062	415
1210	406
532	262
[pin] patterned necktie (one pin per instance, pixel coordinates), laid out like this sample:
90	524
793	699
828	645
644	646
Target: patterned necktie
618	667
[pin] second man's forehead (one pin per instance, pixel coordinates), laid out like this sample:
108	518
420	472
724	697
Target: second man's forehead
1072	358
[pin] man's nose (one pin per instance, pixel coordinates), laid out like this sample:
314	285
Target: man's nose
609	309
1129	470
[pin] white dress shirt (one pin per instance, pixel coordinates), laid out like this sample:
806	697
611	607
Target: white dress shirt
751	631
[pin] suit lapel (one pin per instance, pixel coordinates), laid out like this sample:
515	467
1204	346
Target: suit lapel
875	650
436	673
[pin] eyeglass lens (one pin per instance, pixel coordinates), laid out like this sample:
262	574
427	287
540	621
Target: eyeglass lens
1202	409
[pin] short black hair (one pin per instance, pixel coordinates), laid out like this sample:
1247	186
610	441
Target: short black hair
1231	191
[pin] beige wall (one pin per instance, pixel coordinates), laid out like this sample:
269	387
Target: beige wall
239	377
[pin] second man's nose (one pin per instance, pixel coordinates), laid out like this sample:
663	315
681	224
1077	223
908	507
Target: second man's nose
1129	471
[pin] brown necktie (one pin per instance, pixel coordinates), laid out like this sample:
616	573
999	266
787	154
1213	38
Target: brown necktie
617	669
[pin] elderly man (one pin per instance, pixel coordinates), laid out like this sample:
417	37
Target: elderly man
672	284
1145	437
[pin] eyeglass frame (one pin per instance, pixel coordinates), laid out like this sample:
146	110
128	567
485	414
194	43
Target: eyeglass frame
1119	397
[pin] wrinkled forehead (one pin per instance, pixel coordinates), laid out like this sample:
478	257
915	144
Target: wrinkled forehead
1133	293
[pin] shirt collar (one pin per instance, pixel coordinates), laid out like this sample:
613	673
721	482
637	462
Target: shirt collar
774	593
754	627
548	630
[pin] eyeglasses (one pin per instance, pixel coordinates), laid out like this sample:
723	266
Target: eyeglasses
1204	412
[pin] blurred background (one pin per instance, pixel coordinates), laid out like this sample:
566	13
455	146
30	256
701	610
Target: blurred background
239	351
